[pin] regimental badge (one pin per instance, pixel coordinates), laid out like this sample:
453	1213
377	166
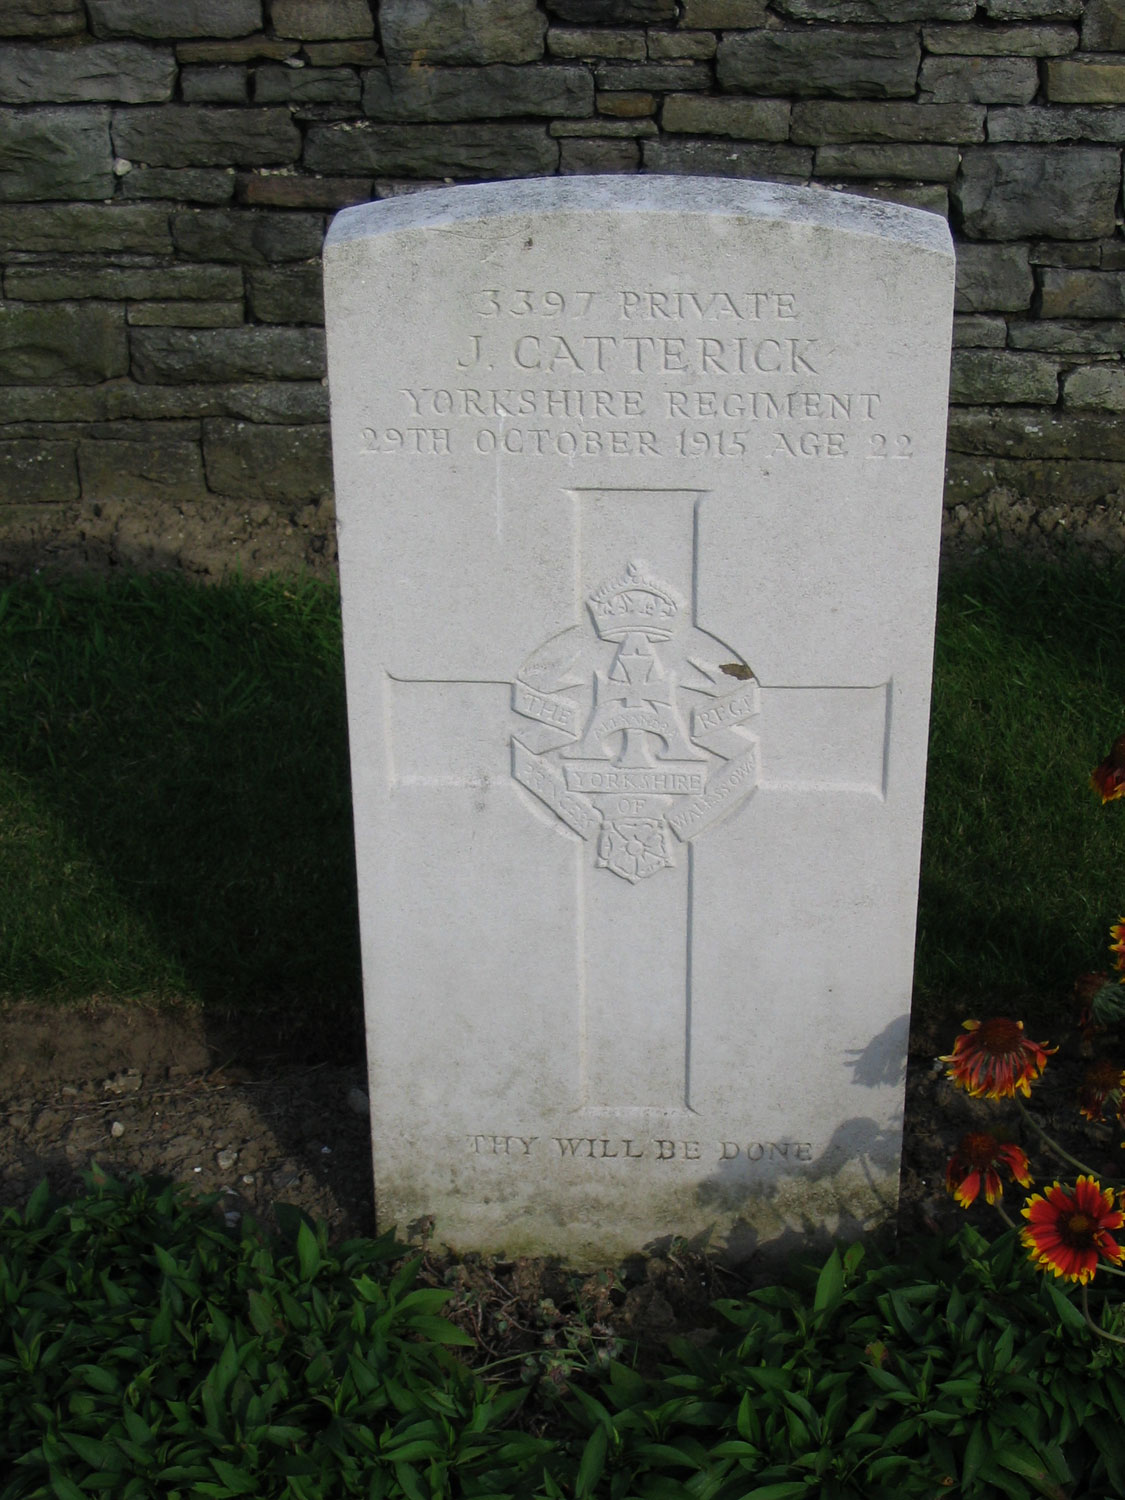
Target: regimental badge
635	733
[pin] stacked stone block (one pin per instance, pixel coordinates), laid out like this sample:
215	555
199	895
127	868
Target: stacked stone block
168	169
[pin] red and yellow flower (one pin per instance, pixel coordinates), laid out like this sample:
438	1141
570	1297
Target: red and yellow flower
1101	1086
974	1167
1068	1230
996	1060
1117	945
1108	777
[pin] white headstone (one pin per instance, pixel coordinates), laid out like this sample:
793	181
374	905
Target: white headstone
639	488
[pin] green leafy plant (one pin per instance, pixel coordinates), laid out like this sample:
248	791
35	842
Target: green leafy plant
147	1350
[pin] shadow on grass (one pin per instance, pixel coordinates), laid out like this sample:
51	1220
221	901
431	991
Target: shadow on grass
1021	865
174	801
175	817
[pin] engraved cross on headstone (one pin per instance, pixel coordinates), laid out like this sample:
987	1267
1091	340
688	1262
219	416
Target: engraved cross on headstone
635	729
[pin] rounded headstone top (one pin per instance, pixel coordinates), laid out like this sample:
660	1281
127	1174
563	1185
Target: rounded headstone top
683	195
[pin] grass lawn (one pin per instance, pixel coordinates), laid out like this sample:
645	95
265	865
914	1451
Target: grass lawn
175	821
174	802
175	827
1021	865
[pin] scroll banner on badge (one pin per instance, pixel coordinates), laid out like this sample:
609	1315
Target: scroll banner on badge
551	709
724	791
667	778
539	776
719	728
712	726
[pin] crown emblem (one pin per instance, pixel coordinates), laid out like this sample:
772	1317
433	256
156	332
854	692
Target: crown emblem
635	602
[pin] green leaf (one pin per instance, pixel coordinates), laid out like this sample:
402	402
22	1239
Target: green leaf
366	1379
627	1385
226	1369
992	1474
369	1291
318	1371
405	1276
63	1488
769	1379
167	1263
263	1314
308	1251
800	1436
976	1453
789	1490
440	1330
657	1487
865	1420
968	1390
891	1463
160	1329
183	1473
885	1380
829	1284
1107	1438
289	1220
412	1452
1069	1315
593	1463
749	1427
284	1434
1005	1344
99	1455
666	1454
36	1210
408	1481
238	1481
101	1380
1021	1461
733	1448
425	1299
593	1408
1113	1383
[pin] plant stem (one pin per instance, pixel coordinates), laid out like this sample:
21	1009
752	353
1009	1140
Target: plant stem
1112	1337
1053	1146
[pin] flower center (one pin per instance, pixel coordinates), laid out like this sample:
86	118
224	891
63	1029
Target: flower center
979	1150
1104	1075
1078	1227
999	1036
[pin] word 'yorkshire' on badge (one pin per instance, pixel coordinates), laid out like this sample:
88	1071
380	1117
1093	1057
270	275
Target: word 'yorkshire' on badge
636	731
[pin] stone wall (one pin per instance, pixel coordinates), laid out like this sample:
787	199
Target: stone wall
168	169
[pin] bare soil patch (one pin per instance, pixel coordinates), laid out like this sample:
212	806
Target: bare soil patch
153	1092
161	1094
